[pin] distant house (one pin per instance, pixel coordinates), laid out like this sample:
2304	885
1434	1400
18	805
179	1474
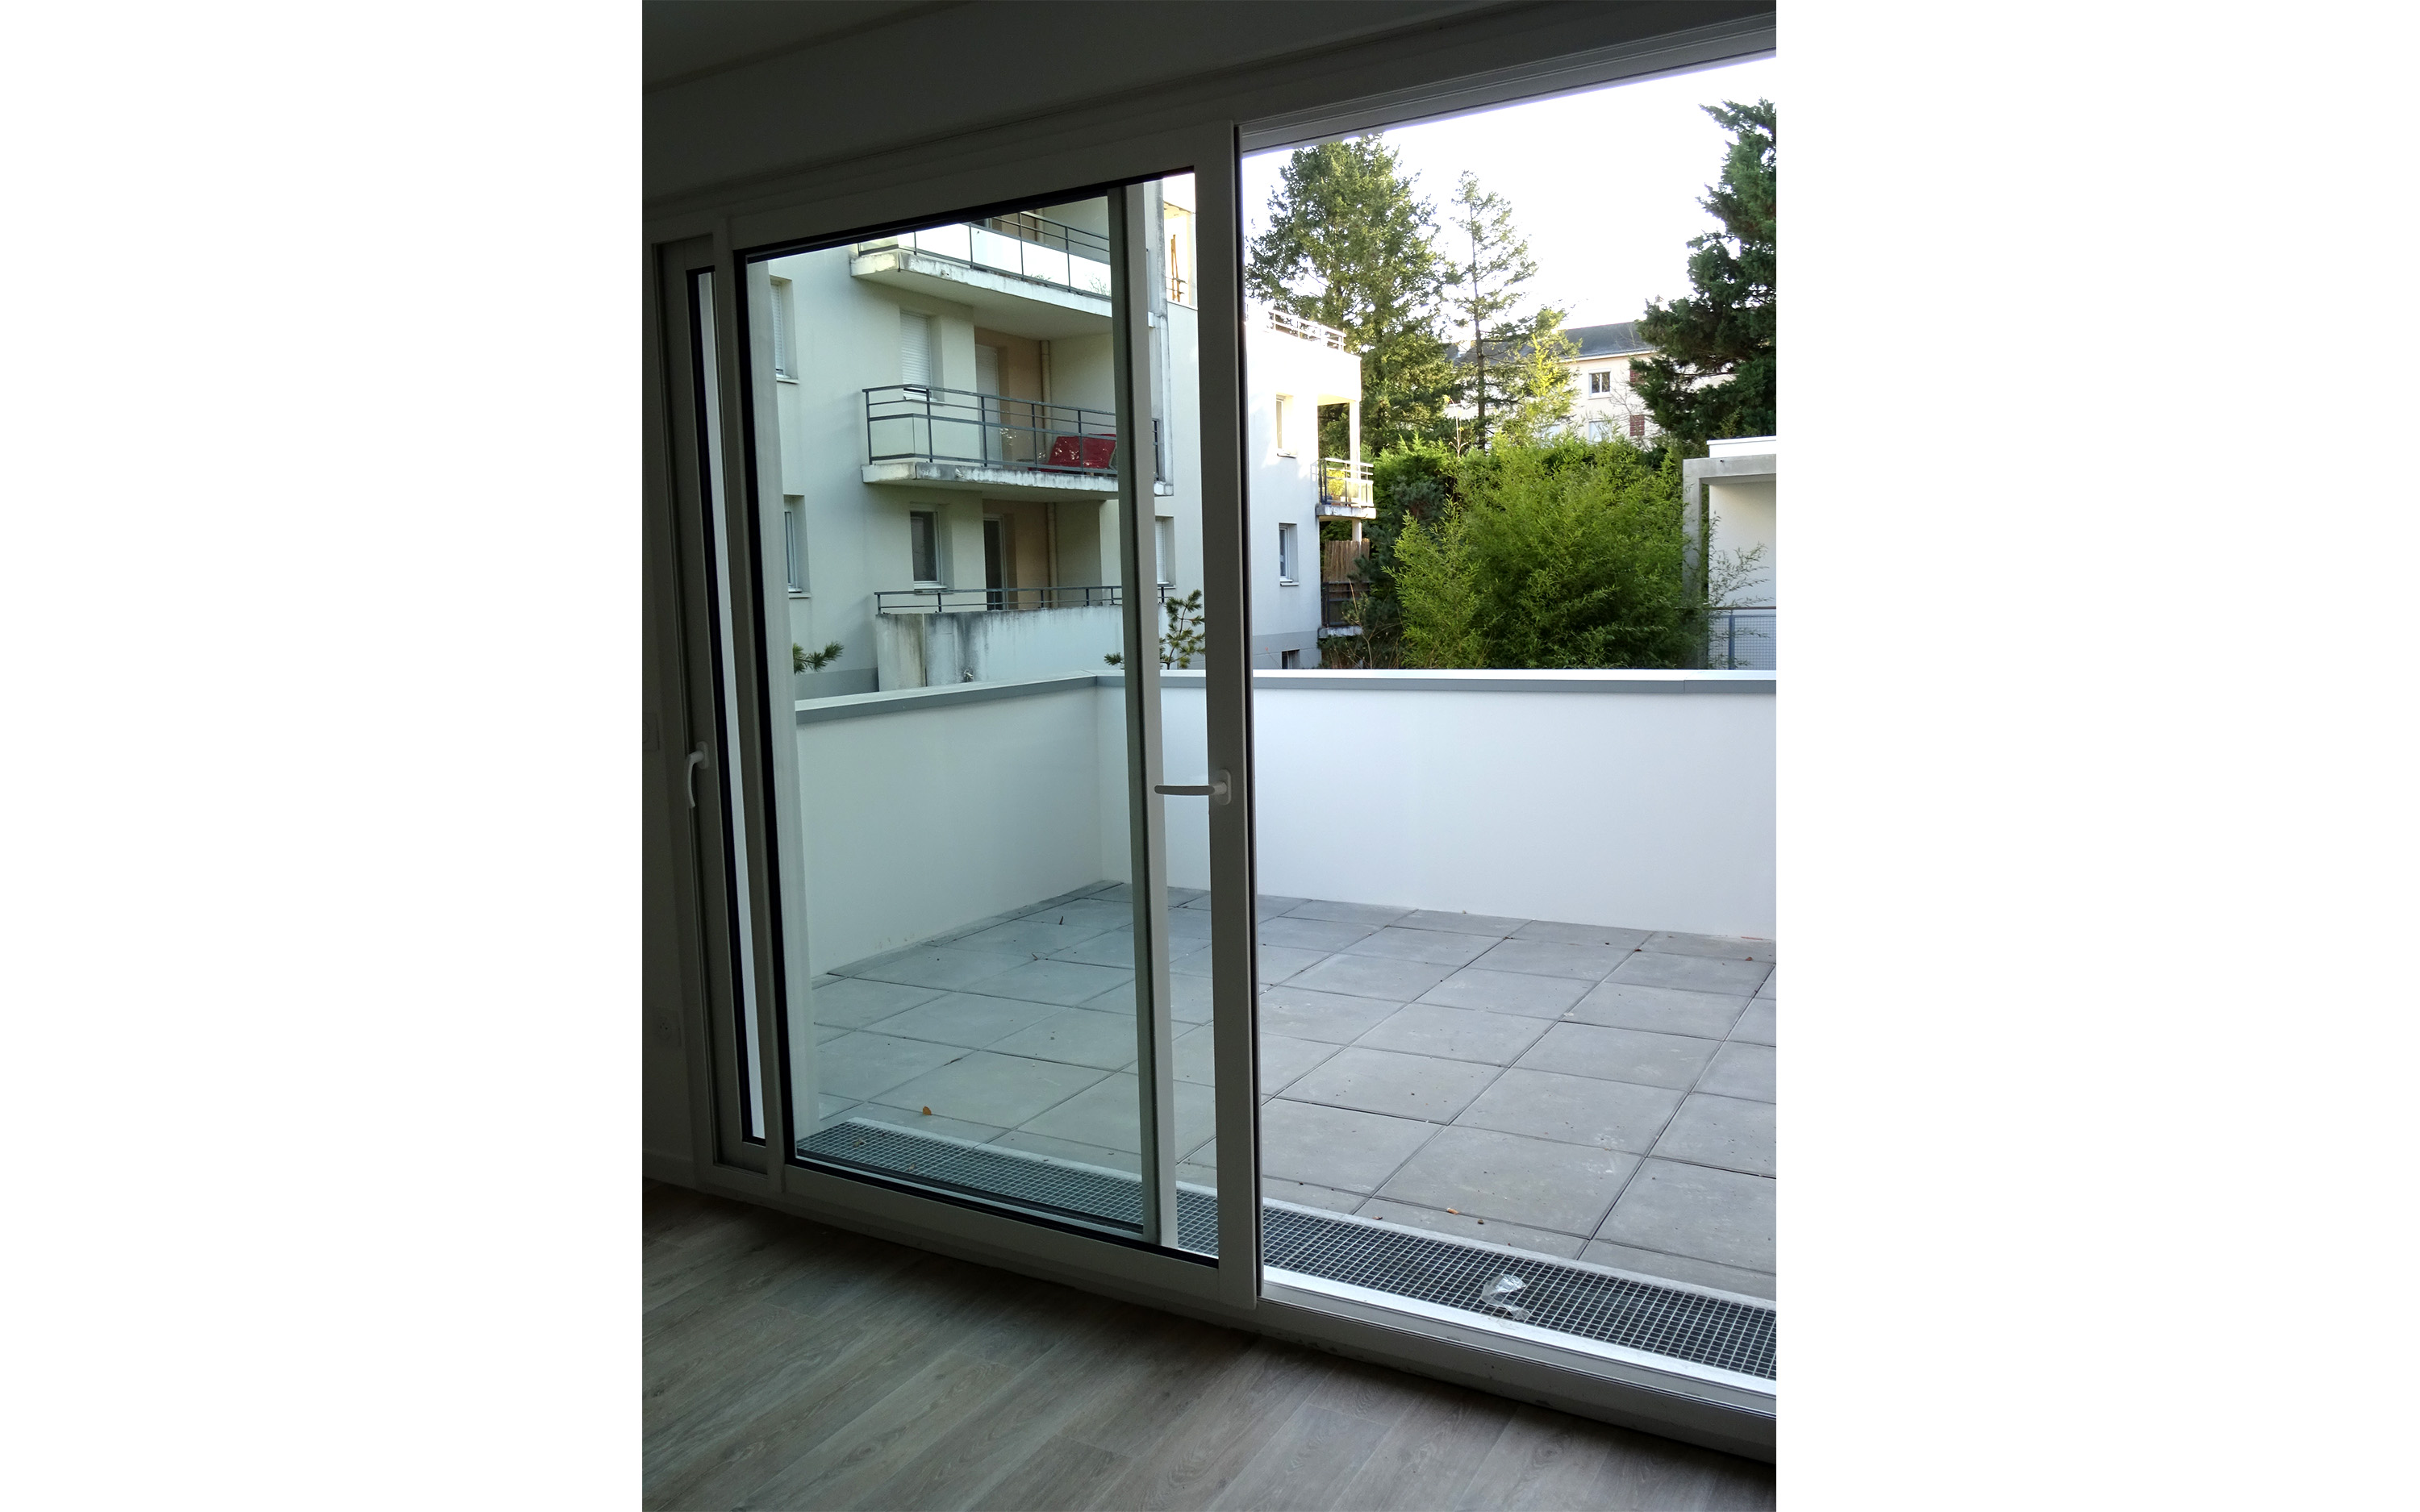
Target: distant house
1604	404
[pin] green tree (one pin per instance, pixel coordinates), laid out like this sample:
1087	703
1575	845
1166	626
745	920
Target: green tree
1560	556
1349	245
1512	363
1712	373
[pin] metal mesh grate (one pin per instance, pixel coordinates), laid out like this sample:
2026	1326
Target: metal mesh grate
1549	1293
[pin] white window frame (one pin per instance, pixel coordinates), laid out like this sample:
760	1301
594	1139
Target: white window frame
786	334
1289	548
1282	408
794	544
924	184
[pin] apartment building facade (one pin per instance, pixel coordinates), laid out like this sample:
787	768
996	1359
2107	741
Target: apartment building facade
947	448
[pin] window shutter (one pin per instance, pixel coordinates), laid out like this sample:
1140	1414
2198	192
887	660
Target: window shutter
915	347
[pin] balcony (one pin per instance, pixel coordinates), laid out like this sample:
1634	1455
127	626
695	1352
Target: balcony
961	439
1023	273
1451	1046
1344	490
1741	639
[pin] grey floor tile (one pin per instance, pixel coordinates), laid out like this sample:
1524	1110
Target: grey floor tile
1466	1225
1371	975
1115	948
1601	935
939	966
852	1002
1303	1194
1661	1009
1672	1060
1766	991
1082	1154
1506	992
1718	946
1269	906
1093	913
1549	958
1756	1025
1706	1214
1188	1000
1322	934
1392	1083
1197	1054
1108	1114
829	1031
1487	924
831	1110
1575	1110
1064	982
1336	1148
1299	1012
1741	1070
1533	1182
1679	1267
1282	963
989	1087
1696	973
923	1123
1178	897
1730	1131
1283	1060
1456	1033
1191	922
1197	1175
968	1020
1435	947
1375	916
1122	892
1035	935
1106	1041
864	1065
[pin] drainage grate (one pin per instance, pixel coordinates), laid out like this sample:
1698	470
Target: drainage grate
1535	1290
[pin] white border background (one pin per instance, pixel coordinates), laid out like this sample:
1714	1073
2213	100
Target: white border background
321	914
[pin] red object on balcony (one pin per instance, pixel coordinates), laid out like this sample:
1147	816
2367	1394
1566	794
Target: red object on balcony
1096	453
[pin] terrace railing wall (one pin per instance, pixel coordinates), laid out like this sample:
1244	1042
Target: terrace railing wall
919	423
1031	247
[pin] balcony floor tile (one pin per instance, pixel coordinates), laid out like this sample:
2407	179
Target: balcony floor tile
1456	1033
1696	1211
1575	1110
1730	1133
1716	946
1660	1009
1486	924
1336	1148
1391	1082
1431	947
986	1088
1669	1060
1506	992
1696	973
1065	982
1756	1025
1538	1184
1552	933
1469	1226
1304	1013
1371	975
1740	1069
1376	916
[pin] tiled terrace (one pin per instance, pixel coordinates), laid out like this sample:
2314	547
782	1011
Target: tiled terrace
1593	1092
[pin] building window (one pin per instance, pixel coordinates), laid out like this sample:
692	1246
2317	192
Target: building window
1285	554
1289	659
1163	545
1285	424
1600	382
794	543
1639	428
923	561
916	365
785	362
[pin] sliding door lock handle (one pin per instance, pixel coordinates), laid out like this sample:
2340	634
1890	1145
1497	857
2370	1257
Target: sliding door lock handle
696	760
1216	790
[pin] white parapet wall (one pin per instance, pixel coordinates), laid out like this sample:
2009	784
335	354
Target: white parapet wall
1638	800
1641	799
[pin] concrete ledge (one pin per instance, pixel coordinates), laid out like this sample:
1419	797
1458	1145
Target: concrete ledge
907	700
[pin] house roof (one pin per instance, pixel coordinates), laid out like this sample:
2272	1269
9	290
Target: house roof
1619	339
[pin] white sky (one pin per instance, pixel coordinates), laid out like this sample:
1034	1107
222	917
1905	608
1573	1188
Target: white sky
1604	184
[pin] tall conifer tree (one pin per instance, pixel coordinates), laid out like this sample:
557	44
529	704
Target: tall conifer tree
1349	244
1714	369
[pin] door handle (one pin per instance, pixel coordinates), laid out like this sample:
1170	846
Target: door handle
696	760
1215	790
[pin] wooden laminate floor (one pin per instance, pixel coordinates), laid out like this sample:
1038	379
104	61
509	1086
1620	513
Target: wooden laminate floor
792	1366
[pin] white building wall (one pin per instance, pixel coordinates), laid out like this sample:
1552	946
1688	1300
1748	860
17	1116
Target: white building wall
1283	486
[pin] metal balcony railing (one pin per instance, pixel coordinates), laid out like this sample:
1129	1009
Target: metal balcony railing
1286	324
1741	639
982	600
1032	247
1344	482
916	423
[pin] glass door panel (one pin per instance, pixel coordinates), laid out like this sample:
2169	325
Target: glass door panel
948	461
